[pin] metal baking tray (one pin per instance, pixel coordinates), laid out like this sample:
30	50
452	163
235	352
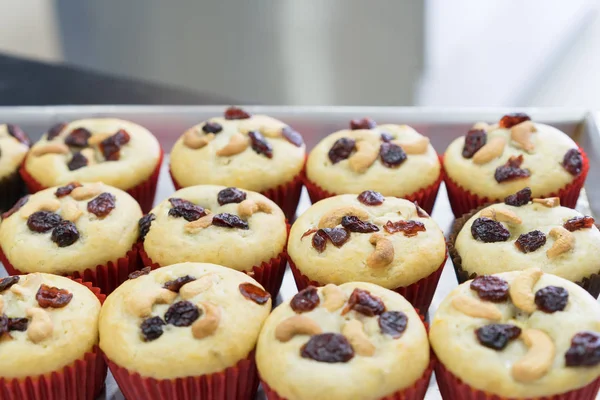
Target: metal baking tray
441	125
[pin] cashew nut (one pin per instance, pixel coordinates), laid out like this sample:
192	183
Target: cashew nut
364	157
549	202
334	297
41	327
563	242
237	144
98	138
269	127
32	280
296	325
201	223
208	323
90	155
521	135
476	308
418	146
87	191
50	148
197	286
353	330
333	217
538	359
70	210
492	149
384	251
40	205
483	126
521	289
248	207
141	305
193	139
19	290
501	215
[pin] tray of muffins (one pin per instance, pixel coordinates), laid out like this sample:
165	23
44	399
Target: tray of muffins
299	253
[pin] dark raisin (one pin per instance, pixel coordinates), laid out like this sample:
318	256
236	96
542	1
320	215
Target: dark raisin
511	170
420	212
77	161
259	144
497	336
521	198
236	113
551	299
226	220
212	127
111	146
530	241
364	302
584	350
327	347
182	313
386	137
3	325
231	195
393	323
18	324
363	123
341	149
66	190
65	234
254	293
53	297
337	236
152	328
43	221
308	232
55	130
144	224
305	300
20	203
573	162
186	209
138	273
78	137
391	155
102	204
18	133
176	284
353	224
577	223
292	136
510	120
408	228
371	198
319	240
474	140
490	288
6	283
489	231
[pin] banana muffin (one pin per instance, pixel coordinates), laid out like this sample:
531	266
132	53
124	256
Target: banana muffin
14	145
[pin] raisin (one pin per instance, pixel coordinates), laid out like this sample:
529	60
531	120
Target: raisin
111	146
55	130
65	234
386	137
490	288
584	350
212	127
577	223
551	299
308	232
364	123
66	190
319	240
353	224
78	137
521	198
489	231
226	220
497	336
77	161
305	300
18	133
254	293
182	313
43	221
341	150
259	144
327	347
531	241
20	203
138	273
53	297
391	154
144	224
371	198
337	236
186	210
176	284
230	195
393	323
18	324
474	140
573	162
292	136
512	119
3	325
102	204
511	170
420	212
6	283
152	328
236	113
408	228
365	303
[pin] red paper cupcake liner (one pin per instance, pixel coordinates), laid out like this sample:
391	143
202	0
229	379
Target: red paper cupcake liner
452	388
144	192
463	201
237	382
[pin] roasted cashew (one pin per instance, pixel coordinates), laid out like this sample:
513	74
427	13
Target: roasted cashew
353	330
521	134
237	144
193	139
296	325
97	138
384	251
549	202
70	210
364	157
333	297
201	223
141	305
87	191
521	289
268	127
41	327
208	323
248	207
492	149
501	215
19	290
563	242
40	205
538	359
476	308
418	146
196	287
333	217
50	148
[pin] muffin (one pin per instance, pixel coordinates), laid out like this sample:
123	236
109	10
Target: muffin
86	231
49	329
253	152
117	152
521	334
394	160
14	145
354	341
494	161
387	241
236	228
524	232
186	331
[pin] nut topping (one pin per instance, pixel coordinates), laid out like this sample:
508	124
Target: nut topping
333	217
564	241
41	327
521	289
208	322
364	157
296	325
384	251
492	149
521	135
237	144
538	359
549	202
476	308
353	330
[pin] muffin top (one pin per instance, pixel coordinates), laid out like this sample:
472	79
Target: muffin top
254	152
183	320
505	237
227	226
353	341
395	160
70	228
46	323
14	144
497	160
370	238
519	334
117	152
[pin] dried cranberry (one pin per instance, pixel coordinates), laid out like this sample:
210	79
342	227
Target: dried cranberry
18	133
53	297
490	288
186	209
353	224
231	195
327	347
577	223
6	283
408	228
176	284
111	146
341	149
20	203
78	137
259	144
152	328
43	221
365	303
530	241
551	299
497	336
138	273
55	130
386	137
420	212
573	162
489	231
77	161
144	225
308	232
521	198
511	170
391	154
364	123
182	313
3	325
18	324
305	300
371	198
510	120
319	240
254	293
226	220
393	323
66	190
337	236
292	136
236	113
65	234
474	140
102	205
212	127
584	350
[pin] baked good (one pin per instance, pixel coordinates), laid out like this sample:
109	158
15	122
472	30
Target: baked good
14	145
189	328
521	334
117	152
369	238
353	341
494	161
232	227
253	152
394	160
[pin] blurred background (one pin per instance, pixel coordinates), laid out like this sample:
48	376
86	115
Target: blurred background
342	52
